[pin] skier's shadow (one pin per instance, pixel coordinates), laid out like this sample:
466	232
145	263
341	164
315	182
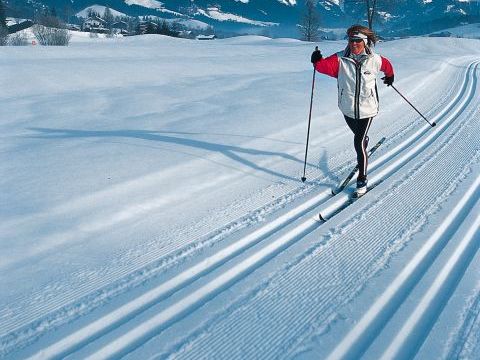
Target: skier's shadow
325	168
231	151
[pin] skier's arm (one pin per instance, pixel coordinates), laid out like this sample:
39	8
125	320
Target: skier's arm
328	66
387	69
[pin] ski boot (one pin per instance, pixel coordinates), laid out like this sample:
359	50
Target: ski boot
361	188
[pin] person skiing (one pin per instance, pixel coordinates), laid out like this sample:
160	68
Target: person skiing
355	69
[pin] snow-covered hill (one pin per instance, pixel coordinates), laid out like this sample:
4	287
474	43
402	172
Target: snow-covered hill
404	17
98	9
152	205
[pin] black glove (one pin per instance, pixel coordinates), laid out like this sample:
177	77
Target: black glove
316	56
388	80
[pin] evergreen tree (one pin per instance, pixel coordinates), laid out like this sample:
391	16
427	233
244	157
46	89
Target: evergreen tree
3	17
108	17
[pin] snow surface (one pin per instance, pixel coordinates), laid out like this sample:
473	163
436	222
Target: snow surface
151	4
216	14
188	23
99	9
471	31
151	204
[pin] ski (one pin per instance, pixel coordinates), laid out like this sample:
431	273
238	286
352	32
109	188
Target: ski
345	182
356	196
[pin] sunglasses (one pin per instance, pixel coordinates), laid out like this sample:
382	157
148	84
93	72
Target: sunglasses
356	40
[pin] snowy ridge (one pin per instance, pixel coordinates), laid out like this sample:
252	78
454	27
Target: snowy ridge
216	14
99	9
164	319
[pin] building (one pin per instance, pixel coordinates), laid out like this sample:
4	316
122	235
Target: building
120	27
94	24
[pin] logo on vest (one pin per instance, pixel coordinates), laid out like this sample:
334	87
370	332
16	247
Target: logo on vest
367	73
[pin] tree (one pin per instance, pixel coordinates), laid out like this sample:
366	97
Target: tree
92	13
310	22
108	17
371	4
49	36
3	17
3	36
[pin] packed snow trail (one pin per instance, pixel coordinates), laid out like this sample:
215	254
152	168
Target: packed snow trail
138	335
304	299
263	257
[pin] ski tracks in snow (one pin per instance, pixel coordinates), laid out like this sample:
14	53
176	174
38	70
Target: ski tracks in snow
336	283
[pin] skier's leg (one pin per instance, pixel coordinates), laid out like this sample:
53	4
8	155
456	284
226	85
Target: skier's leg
361	142
352	123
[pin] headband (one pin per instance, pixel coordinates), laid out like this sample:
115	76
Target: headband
359	35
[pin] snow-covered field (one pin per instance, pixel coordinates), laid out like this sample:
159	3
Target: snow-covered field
151	204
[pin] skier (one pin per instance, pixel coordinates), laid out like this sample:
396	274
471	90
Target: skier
355	69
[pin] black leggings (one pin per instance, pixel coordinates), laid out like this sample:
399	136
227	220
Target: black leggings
360	128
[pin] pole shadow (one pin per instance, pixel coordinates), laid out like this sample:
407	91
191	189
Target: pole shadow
232	152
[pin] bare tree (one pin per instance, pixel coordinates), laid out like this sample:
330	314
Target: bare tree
49	36
18	39
310	22
371	4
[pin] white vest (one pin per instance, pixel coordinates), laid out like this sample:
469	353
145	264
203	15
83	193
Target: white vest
357	93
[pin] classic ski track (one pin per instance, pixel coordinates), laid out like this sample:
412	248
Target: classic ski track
469	328
301	232
308	317
426	310
292	218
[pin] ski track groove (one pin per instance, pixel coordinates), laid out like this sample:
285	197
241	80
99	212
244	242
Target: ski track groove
352	272
174	258
427	310
466	340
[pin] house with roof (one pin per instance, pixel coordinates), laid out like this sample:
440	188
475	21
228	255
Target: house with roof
95	24
120	27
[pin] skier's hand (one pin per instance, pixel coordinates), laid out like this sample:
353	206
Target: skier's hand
388	80
316	56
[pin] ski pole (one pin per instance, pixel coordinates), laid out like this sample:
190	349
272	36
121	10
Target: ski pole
309	120
404	98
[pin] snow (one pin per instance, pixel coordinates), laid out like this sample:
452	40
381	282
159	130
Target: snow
216	14
188	23
151	4
288	2
99	9
471	31
152	208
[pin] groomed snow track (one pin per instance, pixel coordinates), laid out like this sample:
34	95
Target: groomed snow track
409	175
